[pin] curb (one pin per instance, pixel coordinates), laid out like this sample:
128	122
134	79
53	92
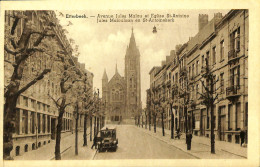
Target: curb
66	149
173	145
234	153
197	143
94	155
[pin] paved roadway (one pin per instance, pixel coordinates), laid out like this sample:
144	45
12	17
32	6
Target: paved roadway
134	144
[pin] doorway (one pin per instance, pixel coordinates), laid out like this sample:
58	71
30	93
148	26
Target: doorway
53	129
222	127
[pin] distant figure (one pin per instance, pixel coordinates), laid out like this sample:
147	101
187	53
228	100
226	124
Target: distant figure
242	136
94	142
178	133
188	140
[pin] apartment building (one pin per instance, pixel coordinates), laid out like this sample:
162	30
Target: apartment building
223	41
36	114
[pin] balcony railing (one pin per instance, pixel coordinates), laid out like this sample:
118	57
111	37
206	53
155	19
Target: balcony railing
183	71
232	54
233	91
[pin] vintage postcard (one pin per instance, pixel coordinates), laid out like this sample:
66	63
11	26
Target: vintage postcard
129	84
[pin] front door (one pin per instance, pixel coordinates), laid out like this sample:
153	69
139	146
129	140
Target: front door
204	121
222	127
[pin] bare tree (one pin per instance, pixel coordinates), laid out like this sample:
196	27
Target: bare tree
22	46
87	105
67	77
209	97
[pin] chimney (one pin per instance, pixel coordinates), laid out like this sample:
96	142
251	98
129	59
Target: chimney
217	17
203	20
177	47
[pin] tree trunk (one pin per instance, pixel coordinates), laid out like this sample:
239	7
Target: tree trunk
90	126
95	126
172	124
9	125
142	122
145	121
162	124
212	129
85	130
76	134
58	135
186	122
150	121
154	123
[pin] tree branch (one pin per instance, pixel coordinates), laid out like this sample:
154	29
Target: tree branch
39	77
13	64
10	51
14	25
55	101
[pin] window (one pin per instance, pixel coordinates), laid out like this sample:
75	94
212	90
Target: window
214	55
207	56
238	116
235	40
222	48
192	70
24	122
197	90
197	67
43	123
25	100
202	60
222	82
230	116
33	104
32	122
39	105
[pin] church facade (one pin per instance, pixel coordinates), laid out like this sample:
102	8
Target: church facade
122	95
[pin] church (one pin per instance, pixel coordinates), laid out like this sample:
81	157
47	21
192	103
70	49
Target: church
122	94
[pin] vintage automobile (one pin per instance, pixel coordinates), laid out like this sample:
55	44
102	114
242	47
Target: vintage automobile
107	139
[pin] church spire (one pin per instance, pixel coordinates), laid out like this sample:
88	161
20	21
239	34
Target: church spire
132	40
105	75
116	68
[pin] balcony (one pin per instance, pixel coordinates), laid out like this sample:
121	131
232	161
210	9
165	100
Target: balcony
232	55
175	89
168	83
233	91
203	70
183	72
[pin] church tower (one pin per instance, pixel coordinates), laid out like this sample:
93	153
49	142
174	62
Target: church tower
105	87
132	78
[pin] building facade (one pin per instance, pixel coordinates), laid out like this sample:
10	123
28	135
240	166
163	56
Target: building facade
122	95
223	41
36	113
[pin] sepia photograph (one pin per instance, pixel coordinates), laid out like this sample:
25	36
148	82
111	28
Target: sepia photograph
126	84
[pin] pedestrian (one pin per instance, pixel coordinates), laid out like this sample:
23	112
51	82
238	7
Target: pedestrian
188	140
178	133
242	136
94	142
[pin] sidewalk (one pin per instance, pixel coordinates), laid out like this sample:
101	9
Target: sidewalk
200	146
84	152
46	152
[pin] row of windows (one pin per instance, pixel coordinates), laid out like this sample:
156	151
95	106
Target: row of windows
27	102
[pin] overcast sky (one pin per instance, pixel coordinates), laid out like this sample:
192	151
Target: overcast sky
101	45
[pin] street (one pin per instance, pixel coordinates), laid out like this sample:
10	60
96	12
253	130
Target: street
134	144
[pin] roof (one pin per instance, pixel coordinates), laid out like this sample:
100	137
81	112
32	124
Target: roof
109	127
